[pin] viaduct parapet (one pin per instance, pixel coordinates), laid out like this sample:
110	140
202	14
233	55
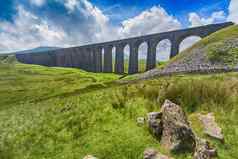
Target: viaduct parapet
98	57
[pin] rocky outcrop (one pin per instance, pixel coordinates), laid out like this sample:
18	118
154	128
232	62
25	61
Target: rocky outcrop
211	128
203	150
154	154
176	134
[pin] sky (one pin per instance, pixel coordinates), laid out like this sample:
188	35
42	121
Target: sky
26	24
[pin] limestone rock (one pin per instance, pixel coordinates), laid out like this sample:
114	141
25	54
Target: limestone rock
211	128
203	150
176	134
154	154
155	125
140	121
89	157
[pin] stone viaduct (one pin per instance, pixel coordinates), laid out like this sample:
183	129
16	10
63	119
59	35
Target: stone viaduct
89	57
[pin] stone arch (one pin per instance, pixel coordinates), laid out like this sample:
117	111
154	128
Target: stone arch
188	41
163	50
142	56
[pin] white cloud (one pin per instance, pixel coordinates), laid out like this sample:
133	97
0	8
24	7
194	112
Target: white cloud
153	20
37	2
29	31
233	11
71	4
196	20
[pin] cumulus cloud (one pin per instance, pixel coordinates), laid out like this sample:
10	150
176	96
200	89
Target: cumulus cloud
71	4
85	24
216	17
233	11
150	21
28	31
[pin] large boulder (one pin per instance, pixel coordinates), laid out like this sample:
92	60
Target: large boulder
210	126
176	134
154	154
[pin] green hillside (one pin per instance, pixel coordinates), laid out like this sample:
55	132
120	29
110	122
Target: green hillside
219	48
64	113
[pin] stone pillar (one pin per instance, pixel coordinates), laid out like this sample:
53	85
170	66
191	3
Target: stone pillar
86	52
107	67
98	59
91	61
133	59
174	48
119	65
151	55
76	58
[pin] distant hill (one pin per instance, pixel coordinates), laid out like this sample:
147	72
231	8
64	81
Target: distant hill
35	50
38	49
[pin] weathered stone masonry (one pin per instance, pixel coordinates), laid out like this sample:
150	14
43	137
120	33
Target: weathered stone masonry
90	57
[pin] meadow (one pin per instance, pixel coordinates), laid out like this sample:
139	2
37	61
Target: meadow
68	113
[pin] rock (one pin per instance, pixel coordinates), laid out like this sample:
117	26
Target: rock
154	154
140	121
203	150
211	128
155	125
89	157
176	132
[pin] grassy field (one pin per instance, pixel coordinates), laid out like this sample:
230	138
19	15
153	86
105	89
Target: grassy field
59	113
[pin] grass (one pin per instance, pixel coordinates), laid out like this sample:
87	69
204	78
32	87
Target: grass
68	113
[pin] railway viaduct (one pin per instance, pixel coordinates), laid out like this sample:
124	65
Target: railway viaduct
91	57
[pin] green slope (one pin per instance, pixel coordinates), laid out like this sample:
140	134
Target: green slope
68	113
220	47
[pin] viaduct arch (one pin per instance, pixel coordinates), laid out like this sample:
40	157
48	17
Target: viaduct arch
89	57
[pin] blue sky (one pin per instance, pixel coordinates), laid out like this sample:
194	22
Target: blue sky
178	8
26	24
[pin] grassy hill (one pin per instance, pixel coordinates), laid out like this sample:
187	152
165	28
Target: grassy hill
220	48
63	113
